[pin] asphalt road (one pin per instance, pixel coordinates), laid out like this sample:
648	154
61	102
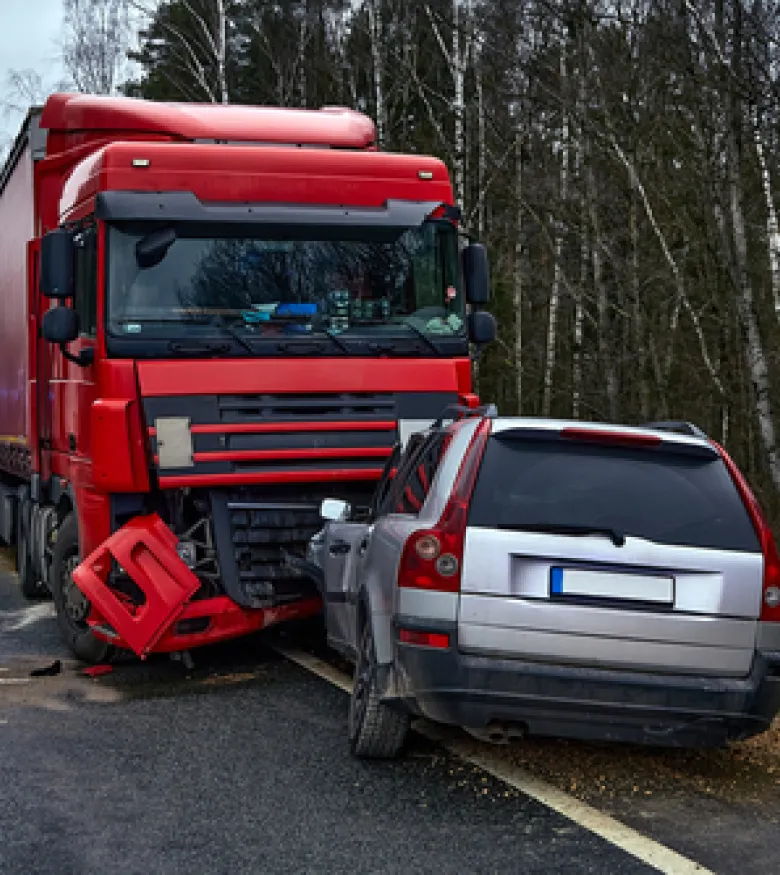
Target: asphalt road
238	766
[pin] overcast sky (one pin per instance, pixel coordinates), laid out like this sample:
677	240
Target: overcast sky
29	30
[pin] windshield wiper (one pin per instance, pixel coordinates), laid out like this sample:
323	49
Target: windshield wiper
219	322
423	336
617	538
198	347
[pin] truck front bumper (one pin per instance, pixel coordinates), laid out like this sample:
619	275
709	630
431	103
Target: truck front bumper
168	617
210	621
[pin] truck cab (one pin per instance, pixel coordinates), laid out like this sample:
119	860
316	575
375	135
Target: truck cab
234	312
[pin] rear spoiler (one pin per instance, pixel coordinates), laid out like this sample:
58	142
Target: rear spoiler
678	427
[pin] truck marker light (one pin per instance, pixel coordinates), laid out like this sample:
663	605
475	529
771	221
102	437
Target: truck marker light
425	174
141	162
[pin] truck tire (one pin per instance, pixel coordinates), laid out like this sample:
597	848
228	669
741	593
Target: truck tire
32	588
71	606
376	731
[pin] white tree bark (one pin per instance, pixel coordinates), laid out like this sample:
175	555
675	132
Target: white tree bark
755	355
376	35
555	291
517	290
772	226
457	58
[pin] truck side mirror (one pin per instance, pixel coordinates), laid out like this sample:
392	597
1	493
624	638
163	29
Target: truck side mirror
482	328
58	259
60	325
476	274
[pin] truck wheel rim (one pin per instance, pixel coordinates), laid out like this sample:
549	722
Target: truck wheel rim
75	602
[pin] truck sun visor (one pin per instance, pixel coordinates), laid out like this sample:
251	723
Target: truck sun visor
184	206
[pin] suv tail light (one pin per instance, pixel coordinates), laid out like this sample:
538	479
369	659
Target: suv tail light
770	601
433	558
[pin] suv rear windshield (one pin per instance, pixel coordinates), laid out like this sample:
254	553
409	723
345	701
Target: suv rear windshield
667	497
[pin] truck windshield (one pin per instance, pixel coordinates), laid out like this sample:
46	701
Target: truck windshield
265	280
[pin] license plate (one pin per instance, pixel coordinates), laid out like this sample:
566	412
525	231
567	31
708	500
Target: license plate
611	585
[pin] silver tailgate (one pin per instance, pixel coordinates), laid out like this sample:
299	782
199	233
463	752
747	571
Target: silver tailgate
708	627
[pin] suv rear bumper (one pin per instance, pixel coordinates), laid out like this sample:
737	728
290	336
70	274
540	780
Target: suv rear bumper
486	694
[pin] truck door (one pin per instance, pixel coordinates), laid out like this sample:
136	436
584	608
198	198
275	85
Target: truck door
39	356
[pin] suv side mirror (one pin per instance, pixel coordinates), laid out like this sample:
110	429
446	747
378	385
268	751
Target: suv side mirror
476	274
335	510
58	259
482	328
60	325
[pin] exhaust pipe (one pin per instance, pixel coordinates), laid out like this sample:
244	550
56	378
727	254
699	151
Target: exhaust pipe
499	732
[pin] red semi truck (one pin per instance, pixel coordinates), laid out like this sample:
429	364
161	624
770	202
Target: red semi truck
212	318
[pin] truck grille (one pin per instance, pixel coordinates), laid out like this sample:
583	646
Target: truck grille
260	535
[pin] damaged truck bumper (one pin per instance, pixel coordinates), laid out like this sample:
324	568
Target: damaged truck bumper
166	619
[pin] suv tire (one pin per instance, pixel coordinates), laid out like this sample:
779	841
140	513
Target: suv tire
376	731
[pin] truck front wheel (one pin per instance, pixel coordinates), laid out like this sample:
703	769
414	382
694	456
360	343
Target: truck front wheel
31	587
71	604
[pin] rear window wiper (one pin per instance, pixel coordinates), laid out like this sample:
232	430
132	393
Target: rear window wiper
617	538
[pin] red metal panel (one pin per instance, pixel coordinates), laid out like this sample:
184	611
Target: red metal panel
235	377
287	455
286	427
270	174
191	121
112	461
17	224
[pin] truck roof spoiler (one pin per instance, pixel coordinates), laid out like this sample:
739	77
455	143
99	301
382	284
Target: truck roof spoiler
459	411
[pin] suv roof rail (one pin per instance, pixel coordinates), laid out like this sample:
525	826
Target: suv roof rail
458	411
678	427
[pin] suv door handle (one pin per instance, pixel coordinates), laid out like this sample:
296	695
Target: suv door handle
339	548
363	547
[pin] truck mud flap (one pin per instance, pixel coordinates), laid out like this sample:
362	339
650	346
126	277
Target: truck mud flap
145	548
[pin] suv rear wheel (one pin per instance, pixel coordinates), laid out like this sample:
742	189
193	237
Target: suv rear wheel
375	730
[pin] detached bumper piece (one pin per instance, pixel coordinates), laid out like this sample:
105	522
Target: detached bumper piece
145	549
166	621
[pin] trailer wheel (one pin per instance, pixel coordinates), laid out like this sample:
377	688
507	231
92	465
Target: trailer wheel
375	730
31	586
71	605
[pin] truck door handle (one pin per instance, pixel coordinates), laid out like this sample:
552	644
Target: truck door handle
339	548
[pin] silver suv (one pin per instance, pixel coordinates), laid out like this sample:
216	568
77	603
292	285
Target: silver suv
587	581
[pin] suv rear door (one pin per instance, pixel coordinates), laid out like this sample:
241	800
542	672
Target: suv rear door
584	547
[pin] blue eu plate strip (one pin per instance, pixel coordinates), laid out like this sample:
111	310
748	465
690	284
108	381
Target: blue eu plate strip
556	581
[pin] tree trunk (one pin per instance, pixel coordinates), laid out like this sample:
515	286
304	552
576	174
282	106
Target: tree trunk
555	291
377	61
772	226
517	291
